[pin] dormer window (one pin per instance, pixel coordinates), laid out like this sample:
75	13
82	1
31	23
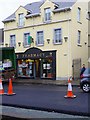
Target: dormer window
47	14
21	20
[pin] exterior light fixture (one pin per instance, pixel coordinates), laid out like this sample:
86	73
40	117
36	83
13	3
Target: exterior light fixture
85	43
48	40
19	44
65	38
6	44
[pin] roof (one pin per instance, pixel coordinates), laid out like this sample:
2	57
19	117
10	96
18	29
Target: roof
34	8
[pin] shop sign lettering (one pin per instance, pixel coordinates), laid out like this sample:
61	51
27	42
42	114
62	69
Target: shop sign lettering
34	55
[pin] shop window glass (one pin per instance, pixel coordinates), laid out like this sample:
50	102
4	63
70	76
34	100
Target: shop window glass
47	68
25	68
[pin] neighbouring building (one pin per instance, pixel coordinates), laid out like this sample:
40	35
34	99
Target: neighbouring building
51	38
1	37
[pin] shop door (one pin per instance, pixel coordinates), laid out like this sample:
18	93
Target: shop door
37	68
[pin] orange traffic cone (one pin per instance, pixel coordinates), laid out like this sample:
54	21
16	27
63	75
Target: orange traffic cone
1	88
69	93
10	88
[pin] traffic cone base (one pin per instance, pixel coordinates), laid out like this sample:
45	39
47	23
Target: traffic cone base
11	93
2	92
70	95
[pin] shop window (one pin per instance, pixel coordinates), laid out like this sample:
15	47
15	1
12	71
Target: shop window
47	68
25	68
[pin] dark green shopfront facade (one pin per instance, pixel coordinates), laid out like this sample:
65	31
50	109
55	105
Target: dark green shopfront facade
37	64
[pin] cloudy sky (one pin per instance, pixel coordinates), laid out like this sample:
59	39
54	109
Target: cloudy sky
7	7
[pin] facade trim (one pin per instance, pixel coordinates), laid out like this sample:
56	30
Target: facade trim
41	24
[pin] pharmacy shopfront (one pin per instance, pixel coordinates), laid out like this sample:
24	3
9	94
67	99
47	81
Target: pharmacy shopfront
37	64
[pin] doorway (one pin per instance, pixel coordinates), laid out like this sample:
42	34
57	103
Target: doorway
37	69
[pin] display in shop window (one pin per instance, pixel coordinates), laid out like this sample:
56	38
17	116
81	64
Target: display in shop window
47	68
25	68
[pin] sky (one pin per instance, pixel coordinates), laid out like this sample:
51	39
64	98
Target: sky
7	7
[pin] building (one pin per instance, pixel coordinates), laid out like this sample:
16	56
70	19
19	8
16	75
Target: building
1	37
51	38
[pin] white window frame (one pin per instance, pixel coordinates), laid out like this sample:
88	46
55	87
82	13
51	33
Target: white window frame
12	41
58	36
79	37
47	14
79	14
40	38
26	39
21	19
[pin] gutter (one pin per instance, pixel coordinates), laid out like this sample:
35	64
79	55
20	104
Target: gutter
62	9
32	15
9	20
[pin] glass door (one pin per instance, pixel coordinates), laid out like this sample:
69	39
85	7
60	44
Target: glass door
46	68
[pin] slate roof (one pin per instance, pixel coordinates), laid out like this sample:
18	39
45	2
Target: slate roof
34	8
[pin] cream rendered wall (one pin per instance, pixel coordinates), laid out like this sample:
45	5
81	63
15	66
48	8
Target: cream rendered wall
80	51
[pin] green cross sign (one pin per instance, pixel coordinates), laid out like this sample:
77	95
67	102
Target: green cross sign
29	39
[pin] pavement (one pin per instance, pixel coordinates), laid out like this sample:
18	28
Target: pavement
46	81
22	113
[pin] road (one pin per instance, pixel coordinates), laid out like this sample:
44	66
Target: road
48	98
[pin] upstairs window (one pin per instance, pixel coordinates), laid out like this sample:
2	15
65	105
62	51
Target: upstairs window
47	14
12	41
26	39
21	19
40	38
79	37
79	14
58	36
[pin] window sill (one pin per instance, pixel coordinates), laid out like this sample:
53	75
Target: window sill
79	22
26	46
79	45
12	46
40	45
58	43
21	26
48	21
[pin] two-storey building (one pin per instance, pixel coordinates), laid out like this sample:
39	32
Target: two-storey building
50	38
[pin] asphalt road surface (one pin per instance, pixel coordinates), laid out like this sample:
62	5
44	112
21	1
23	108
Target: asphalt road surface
48	98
